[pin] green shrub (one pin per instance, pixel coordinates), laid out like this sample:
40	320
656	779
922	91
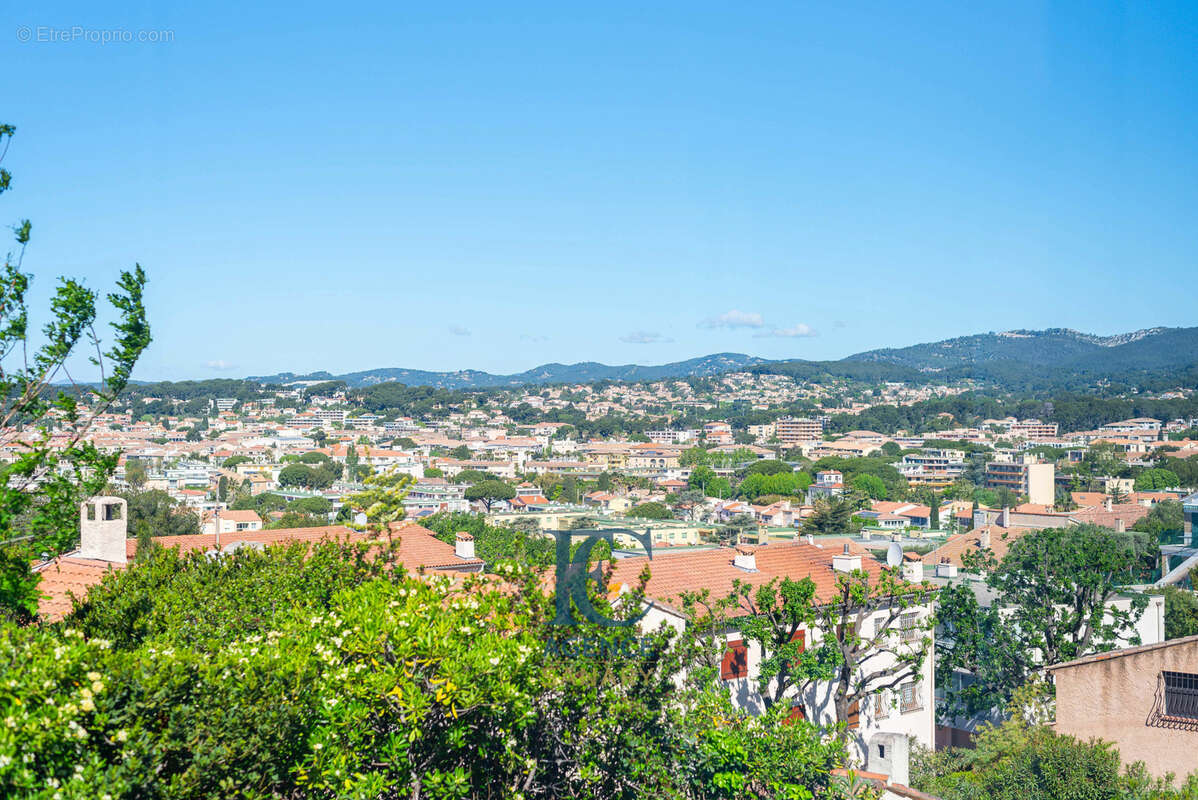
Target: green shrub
320	672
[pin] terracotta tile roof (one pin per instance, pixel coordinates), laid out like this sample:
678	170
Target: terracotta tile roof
671	574
1084	499
957	546
1127	651
66	576
1129	513
419	548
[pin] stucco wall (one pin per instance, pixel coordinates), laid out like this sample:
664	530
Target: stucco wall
1113	699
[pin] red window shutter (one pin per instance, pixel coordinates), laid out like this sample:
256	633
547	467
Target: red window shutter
801	638
736	661
796	714
854	715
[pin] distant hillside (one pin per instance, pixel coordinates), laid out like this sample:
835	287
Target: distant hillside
1057	358
1156	347
1015	360
582	372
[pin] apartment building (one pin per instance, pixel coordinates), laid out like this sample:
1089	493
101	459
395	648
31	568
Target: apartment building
431	495
935	468
672	437
328	415
1034	429
718	433
1135	425
764	432
653	460
1022	474
791	431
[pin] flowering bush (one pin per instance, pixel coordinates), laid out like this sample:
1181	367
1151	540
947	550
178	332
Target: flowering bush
248	676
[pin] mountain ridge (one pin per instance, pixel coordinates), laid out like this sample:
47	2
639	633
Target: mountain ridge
987	356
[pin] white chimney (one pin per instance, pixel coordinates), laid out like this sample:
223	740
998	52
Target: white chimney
1004	518
104	525
984	539
946	569
463	545
890	754
846	562
913	571
1120	525
745	559
810	539
1106	502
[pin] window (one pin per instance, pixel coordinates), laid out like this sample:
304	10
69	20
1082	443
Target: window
909	625
736	661
882	705
911	697
1181	695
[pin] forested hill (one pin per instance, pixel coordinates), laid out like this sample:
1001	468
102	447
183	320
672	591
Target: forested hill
582	372
1155	358
1055	347
1057	358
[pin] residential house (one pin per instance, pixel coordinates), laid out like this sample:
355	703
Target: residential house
230	521
829	483
1143	699
906	710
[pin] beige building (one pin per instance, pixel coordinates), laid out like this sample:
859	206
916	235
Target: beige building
793	431
1143	699
1023	475
230	521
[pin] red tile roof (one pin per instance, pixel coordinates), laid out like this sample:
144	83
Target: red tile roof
671	574
68	575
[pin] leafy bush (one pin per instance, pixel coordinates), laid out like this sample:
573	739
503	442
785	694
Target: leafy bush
493	543
651	511
320	672
1015	761
1181	612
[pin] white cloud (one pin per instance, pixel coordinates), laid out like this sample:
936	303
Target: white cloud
219	364
798	331
458	330
734	319
645	337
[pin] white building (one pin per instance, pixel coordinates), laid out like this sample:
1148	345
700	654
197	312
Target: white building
907	709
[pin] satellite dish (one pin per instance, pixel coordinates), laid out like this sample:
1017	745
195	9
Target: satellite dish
894	554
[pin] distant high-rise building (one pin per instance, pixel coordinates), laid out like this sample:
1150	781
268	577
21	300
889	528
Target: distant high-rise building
793	431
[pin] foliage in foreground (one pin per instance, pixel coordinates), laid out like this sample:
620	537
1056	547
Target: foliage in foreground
42	485
1055	589
288	673
1017	761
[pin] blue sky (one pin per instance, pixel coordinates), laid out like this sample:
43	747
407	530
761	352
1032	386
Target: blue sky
495	186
